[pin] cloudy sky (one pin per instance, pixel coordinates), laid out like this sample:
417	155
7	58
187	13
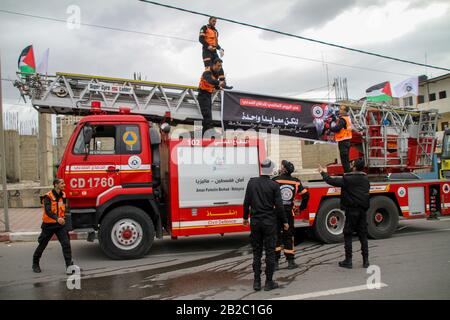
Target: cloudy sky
162	44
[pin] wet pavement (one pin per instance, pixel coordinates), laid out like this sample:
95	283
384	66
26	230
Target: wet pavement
215	267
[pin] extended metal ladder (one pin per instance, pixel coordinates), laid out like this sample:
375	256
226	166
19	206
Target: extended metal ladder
386	129
426	137
66	93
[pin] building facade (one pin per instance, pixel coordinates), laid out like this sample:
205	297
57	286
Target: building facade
434	93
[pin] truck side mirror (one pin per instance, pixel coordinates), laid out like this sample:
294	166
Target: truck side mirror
155	137
87	134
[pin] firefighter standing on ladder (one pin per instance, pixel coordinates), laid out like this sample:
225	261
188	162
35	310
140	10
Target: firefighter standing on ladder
208	83
209	38
289	187
343	135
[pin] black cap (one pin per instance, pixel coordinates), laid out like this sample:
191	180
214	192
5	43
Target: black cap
288	166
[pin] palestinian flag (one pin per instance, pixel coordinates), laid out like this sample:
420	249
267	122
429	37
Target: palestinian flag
379	92
26	60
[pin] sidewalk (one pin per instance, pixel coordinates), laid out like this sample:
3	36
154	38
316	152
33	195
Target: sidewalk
25	225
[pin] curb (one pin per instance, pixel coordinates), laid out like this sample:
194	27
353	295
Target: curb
33	236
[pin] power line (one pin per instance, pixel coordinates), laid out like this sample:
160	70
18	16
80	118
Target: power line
334	63
98	26
296	36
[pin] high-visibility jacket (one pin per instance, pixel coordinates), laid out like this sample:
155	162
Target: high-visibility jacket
211	36
344	133
58	207
205	84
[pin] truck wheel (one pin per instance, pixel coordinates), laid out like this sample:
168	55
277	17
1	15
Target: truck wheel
329	222
126	233
382	217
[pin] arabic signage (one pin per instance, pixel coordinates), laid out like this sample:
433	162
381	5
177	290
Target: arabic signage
217	176
291	117
110	88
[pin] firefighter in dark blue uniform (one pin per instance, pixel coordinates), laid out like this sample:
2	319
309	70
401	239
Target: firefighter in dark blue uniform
264	205
355	201
289	188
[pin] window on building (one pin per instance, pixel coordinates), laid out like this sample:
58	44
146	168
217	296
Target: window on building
408	101
442	94
432	96
421	99
444	126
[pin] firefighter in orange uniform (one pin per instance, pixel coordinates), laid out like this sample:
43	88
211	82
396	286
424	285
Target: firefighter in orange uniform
209	38
343	134
289	188
53	221
209	82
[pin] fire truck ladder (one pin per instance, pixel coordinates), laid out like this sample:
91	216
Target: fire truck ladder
386	129
66	93
426	138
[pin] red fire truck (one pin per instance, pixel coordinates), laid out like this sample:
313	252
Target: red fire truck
128	180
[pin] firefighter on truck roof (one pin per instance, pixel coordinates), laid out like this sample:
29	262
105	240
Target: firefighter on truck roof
343	134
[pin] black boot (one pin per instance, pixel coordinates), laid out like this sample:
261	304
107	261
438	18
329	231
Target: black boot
270	285
347	263
68	264
257	284
292	264
36	267
366	263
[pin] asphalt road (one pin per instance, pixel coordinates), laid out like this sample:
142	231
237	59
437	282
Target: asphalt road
413	264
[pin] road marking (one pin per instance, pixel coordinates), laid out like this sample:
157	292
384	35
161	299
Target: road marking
423	220
418	232
328	292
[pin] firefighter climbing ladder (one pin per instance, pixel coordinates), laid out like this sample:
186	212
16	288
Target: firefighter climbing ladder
67	93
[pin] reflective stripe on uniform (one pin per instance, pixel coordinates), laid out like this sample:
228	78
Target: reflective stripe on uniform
344	133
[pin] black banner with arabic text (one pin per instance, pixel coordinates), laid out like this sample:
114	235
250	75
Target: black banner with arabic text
292	117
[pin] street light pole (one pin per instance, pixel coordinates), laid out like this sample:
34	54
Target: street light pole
3	157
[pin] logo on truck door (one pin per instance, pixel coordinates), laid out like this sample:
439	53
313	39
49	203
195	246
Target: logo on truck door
401	192
134	162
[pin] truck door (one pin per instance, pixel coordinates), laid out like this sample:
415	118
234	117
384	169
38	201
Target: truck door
135	170
93	169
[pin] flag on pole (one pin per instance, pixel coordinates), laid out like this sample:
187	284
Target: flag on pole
26	60
408	86
42	67
379	92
